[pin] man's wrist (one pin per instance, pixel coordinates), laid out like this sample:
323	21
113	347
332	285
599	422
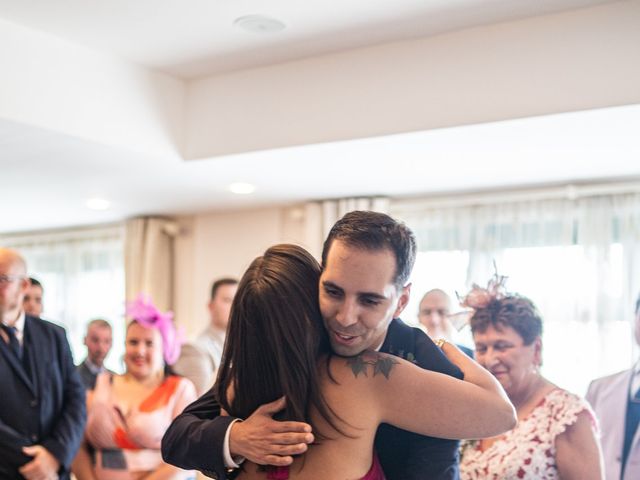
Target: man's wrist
231	461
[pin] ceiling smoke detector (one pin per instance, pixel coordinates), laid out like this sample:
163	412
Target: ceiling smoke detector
259	24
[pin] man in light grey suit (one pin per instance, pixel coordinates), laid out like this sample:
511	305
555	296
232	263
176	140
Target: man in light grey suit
616	402
199	360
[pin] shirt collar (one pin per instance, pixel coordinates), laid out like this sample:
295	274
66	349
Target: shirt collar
93	368
217	332
19	323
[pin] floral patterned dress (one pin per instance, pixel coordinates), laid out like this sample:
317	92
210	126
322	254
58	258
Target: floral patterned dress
528	451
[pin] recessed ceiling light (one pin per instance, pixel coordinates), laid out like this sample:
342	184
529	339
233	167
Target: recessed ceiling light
241	188
259	24
98	204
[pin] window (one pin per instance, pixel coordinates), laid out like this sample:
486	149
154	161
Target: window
564	284
82	273
577	260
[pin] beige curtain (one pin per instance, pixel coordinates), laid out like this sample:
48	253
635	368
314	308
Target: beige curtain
334	210
320	216
149	259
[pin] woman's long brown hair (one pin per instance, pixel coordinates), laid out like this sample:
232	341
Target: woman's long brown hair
275	337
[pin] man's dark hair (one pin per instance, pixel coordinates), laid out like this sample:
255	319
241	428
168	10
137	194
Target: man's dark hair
513	311
35	283
376	231
221	283
275	337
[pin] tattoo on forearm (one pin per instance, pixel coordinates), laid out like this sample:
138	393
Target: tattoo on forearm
381	364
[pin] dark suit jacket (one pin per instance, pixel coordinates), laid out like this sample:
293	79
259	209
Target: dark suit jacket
43	400
86	376
195	438
407	455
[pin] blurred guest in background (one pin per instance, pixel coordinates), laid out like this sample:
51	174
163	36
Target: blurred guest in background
199	361
33	299
556	433
43	401
616	401
98	341
433	315
128	414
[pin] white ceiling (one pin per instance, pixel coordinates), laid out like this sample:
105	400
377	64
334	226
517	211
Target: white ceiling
44	172
197	37
47	176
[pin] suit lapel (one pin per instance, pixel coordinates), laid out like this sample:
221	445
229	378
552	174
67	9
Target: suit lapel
17	366
31	347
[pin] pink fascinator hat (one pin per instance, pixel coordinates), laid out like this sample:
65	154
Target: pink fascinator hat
143	311
480	297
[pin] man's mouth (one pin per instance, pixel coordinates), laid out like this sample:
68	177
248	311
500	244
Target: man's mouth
344	338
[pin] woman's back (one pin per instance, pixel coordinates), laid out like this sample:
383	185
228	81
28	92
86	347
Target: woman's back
373	388
341	455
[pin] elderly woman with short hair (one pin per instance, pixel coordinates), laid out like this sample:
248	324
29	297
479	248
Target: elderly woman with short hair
556	432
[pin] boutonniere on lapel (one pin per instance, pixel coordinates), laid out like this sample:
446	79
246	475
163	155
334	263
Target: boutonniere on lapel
408	356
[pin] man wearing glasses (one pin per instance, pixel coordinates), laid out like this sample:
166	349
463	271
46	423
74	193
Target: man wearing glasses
43	401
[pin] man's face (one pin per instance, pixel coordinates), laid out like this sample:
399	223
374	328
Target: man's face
13	285
33	301
358	298
433	313
98	342
220	305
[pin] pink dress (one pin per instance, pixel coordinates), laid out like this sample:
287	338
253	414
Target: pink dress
528	451
128	444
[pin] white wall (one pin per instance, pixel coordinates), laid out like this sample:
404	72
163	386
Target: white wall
213	245
575	60
66	88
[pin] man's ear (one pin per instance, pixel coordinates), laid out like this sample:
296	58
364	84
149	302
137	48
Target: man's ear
403	300
25	284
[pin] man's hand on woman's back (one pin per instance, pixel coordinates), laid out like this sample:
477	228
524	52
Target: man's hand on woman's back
265	441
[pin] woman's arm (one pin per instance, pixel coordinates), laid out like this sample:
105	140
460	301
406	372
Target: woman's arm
437	405
578	453
81	466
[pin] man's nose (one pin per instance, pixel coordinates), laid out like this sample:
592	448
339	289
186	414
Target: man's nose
347	313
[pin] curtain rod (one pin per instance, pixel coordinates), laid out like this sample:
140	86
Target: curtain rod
569	191
64	234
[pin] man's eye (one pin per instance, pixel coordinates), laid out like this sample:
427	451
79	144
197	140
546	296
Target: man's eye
331	292
370	302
